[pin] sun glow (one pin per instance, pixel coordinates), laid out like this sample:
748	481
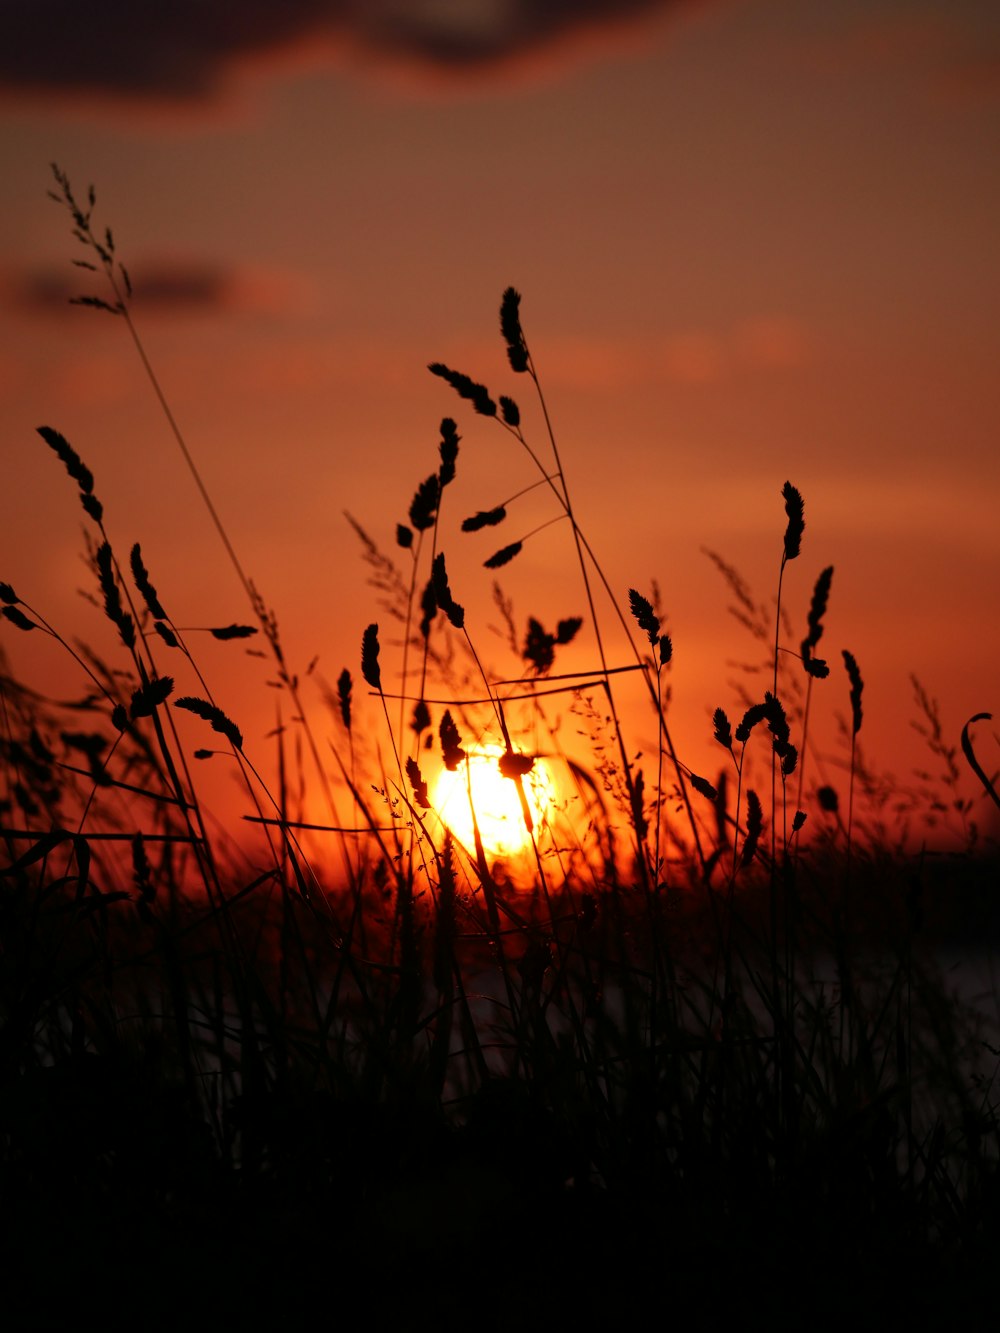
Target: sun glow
495	800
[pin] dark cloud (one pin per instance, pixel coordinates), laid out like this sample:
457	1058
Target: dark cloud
163	286
952	52
974	80
181	49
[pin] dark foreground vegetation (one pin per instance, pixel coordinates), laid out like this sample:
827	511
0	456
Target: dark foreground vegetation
717	1051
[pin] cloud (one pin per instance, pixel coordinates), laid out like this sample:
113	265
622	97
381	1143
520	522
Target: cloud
974	80
183	51
162	286
949	52
694	357
777	342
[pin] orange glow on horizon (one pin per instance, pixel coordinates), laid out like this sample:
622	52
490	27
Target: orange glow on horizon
730	289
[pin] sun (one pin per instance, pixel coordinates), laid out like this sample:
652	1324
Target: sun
496	802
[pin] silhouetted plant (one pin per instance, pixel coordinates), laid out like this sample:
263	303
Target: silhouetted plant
637	1043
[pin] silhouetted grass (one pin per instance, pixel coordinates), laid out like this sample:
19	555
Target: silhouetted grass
698	1055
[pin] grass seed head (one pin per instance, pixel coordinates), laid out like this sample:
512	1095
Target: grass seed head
465	387
451	742
76	468
504	556
214	716
146	699
755	827
112	596
646	617
723	731
18	618
369	658
857	685
421	719
344	683
510	412
448	448
418	784
442	592
510	327
166	634
226	632
485	518
794	508
142	582
424	505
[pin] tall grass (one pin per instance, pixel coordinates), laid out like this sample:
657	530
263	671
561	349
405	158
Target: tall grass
679	1047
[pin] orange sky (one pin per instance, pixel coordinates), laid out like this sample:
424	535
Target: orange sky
756	241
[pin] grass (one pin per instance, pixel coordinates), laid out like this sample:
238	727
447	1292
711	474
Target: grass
697	1047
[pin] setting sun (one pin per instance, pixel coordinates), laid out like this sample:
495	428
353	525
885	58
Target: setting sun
495	799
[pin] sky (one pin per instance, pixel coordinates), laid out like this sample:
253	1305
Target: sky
756	241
